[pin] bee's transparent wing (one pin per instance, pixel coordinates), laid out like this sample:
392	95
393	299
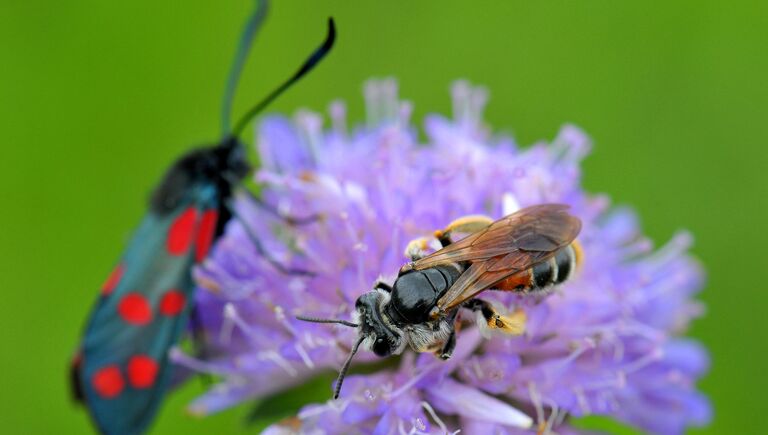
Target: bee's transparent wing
508	246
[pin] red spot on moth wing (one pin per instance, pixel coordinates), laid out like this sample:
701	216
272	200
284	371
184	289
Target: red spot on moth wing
142	371
181	233
108	381
113	280
205	234
135	309
172	303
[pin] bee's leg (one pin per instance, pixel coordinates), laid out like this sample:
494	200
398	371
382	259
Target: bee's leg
417	248
263	251
379	284
465	224
488	319
450	344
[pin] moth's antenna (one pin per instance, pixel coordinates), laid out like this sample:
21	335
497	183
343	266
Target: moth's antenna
345	367
244	46
317	320
307	66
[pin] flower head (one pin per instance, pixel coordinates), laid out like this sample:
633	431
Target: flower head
608	342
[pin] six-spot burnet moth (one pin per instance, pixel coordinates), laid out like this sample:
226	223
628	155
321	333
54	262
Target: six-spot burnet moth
121	370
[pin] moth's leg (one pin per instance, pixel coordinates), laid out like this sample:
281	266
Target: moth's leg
75	379
199	341
465	225
263	251
269	208
489	319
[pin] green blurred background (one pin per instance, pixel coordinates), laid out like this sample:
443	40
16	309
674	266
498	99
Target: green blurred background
97	98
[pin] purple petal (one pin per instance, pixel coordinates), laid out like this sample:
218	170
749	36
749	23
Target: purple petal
280	146
455	398
606	342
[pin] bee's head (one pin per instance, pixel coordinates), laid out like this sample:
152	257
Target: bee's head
382	337
376	331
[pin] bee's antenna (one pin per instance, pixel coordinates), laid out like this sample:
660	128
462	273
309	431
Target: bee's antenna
317	320
345	367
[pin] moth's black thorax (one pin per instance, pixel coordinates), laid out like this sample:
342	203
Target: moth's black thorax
221	166
416	292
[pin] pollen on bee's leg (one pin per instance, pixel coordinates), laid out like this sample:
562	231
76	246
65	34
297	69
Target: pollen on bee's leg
578	254
491	320
469	224
513	324
417	248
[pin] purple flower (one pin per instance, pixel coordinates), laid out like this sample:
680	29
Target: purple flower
608	342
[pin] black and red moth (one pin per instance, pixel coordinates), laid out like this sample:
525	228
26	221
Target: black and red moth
121	370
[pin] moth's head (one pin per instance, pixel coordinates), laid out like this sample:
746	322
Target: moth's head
232	159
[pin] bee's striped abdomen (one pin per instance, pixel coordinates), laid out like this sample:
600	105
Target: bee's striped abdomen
555	270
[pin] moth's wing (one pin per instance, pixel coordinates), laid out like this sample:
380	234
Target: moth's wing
122	369
506	247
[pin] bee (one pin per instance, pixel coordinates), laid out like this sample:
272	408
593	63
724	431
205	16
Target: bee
525	252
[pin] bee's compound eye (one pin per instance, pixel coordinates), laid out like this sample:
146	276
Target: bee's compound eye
381	347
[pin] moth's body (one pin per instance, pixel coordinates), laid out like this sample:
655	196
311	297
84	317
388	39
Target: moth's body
121	369
528	251
222	167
